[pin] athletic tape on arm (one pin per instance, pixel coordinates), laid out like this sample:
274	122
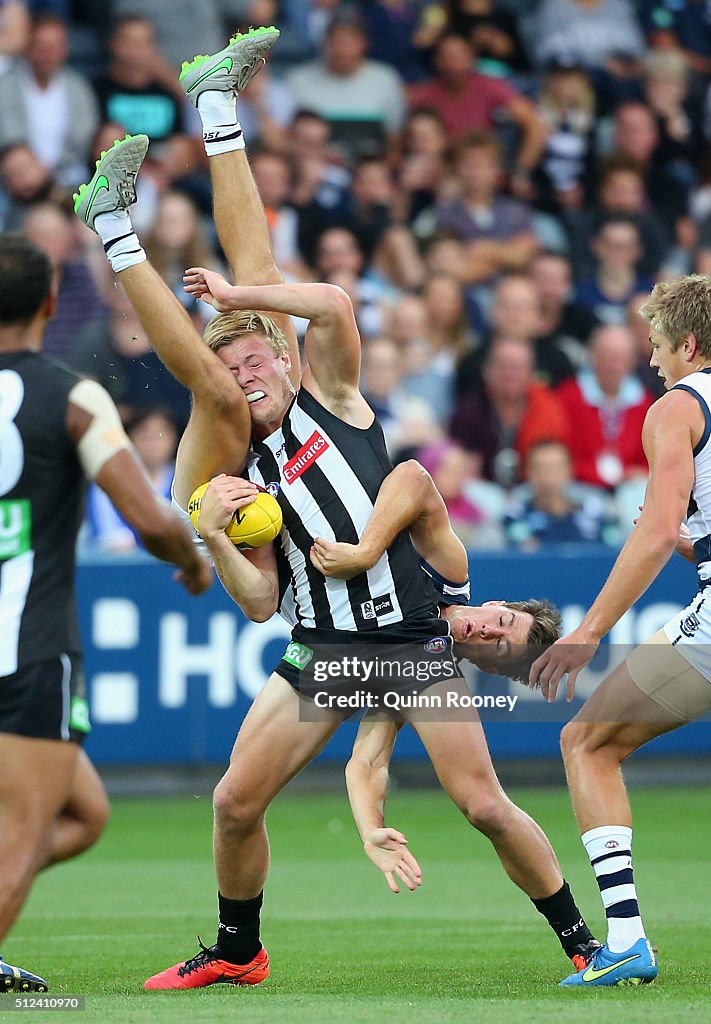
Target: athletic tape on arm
105	435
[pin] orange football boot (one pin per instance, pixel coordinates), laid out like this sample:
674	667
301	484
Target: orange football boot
205	968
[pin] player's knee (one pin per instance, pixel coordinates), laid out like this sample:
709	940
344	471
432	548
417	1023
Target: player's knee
576	740
95	821
236	809
488	812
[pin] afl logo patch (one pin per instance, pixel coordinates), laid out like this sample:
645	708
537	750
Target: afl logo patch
272	489
436	645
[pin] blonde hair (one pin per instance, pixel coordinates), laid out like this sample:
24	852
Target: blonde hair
227	327
682	307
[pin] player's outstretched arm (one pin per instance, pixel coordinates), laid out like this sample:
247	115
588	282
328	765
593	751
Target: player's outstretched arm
367	784
107	457
251	577
332	343
669	434
407	500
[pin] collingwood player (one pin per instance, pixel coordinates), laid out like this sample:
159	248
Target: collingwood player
56	431
666	681
316	445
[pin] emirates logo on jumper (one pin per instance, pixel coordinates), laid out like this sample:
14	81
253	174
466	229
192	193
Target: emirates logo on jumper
305	457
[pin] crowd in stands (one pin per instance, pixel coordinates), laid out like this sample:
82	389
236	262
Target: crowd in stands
497	184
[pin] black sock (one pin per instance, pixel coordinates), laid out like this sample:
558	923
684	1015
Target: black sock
238	930
565	919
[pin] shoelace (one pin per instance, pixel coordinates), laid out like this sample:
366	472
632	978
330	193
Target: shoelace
247	72
201	959
126	188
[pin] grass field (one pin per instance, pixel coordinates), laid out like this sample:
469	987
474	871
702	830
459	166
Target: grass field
467	946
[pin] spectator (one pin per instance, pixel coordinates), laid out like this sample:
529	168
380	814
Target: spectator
617	248
550	509
407	421
468	101
621	189
563	321
339	254
25	181
79	304
177	241
602	35
363	99
272	175
134	95
154	437
493	32
48	106
320	190
607	404
455	475
423	162
515	314
427	368
666	91
509	412
119	355
636	134
498	231
14	31
567	105
399	32
182	27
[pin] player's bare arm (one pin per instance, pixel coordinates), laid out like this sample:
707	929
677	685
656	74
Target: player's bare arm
332	343
367	783
671	429
249	577
106	456
407	500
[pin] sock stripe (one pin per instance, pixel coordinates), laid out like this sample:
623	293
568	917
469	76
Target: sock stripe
616	878
110	244
215	137
608	856
626	909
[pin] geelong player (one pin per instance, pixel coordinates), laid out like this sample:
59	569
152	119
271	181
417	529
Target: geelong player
56	431
665	682
321	451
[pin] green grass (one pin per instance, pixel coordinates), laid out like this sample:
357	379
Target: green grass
467	946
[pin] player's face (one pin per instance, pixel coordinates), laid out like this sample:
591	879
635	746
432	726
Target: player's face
490	632
263	376
670	365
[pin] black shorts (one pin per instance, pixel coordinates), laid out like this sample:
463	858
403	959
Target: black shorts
46	701
404	659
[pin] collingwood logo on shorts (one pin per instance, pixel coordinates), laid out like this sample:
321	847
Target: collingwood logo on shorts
378	606
689	624
436	645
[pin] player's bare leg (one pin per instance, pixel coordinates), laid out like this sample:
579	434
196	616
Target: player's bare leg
213	85
407	500
217	437
83	816
35	783
273	744
617	720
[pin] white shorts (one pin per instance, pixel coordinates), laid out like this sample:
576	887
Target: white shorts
689	632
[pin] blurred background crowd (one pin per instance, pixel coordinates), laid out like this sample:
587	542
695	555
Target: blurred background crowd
497	184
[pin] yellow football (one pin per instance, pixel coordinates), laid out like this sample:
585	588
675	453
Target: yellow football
251	526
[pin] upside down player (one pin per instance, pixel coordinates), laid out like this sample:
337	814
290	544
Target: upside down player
666	681
56	430
305	444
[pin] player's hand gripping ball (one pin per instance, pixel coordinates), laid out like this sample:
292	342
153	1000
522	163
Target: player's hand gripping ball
250	527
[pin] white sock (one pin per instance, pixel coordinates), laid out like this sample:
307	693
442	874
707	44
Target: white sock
610	851
121	243
221	131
